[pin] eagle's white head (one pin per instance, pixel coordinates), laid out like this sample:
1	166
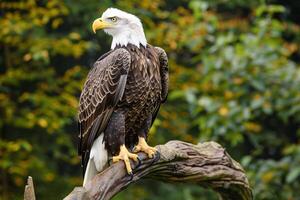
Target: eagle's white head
124	27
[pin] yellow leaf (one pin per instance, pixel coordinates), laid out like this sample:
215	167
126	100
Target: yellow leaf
267	177
75	36
43	123
238	81
223	111
256	97
13	146
56	23
254	127
27	57
49	177
228	94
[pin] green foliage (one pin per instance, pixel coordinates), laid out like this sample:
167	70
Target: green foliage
235	79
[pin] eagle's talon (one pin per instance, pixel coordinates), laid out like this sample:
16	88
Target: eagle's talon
151	153
144	147
110	161
139	162
156	156
131	176
125	155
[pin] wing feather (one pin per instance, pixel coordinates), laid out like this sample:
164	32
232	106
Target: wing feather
102	91
164	73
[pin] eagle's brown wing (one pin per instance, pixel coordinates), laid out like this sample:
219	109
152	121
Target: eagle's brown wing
102	91
164	76
164	73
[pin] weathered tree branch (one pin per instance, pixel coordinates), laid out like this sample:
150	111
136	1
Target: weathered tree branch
29	190
206	164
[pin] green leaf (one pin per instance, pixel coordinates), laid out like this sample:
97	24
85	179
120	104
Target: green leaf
293	175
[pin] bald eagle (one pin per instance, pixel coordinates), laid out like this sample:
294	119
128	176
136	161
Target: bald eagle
121	96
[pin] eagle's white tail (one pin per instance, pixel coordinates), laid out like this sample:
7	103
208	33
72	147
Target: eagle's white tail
98	160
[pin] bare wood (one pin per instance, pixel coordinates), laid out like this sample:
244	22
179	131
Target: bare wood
206	164
29	190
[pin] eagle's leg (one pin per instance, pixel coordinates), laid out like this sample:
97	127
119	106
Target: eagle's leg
125	155
142	144
115	140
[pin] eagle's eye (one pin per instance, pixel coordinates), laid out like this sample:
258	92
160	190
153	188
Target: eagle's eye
113	19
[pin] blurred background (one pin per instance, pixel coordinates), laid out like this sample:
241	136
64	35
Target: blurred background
234	79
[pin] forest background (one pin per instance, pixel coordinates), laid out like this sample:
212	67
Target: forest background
234	79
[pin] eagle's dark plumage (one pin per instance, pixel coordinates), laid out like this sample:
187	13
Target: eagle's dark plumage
121	96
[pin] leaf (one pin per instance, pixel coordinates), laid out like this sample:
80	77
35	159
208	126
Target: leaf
293	175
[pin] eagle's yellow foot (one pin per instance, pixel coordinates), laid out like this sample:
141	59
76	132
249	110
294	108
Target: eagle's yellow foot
144	147
125	155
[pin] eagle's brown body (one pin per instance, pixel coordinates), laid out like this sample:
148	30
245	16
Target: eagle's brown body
121	97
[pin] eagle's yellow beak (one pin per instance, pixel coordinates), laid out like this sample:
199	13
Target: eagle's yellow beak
100	24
